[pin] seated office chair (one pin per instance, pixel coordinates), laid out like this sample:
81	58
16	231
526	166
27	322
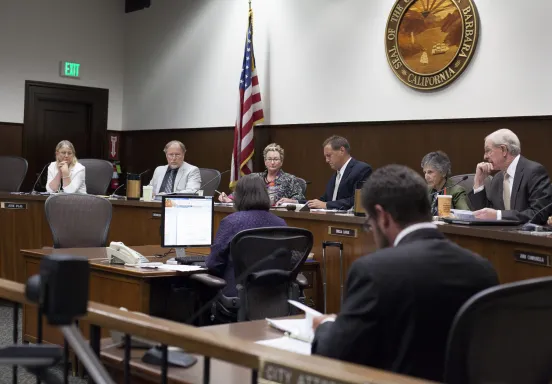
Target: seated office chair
503	335
12	173
77	220
210	181
265	290
303	184
468	183
98	175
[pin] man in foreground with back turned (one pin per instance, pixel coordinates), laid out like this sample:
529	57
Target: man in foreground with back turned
521	190
401	300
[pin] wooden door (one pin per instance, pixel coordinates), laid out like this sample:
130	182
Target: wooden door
55	112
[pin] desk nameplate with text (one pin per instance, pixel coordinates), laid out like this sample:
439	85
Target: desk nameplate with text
155	215
7	205
273	373
345	232
532	258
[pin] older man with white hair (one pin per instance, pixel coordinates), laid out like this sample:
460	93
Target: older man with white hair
177	176
520	189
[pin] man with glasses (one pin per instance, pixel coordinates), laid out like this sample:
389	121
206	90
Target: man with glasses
521	189
401	300
177	176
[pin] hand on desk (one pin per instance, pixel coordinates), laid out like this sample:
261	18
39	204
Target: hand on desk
485	214
223	198
316	321
284	200
316	204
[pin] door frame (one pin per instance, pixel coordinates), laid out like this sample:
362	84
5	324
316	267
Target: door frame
96	98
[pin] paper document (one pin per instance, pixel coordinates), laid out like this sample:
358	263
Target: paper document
463	214
288	344
181	268
297	328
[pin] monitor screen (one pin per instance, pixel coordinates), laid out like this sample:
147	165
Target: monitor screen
187	221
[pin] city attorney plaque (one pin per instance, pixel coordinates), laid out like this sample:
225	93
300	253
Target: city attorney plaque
429	43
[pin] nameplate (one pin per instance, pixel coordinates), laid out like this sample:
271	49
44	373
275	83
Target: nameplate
272	373
346	232
156	215
6	205
532	258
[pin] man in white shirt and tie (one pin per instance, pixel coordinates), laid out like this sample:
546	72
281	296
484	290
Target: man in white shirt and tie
340	190
521	189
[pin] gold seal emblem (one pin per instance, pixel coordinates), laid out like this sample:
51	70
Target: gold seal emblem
429	43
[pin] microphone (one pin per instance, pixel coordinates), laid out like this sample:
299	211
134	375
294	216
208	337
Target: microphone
140	174
33	192
453	185
531	227
207	183
113	196
280	252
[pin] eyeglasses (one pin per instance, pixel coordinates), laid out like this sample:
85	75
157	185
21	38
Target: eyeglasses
66	153
174	155
272	160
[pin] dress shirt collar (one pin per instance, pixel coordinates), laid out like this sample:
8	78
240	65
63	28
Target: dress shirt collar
342	170
411	228
511	171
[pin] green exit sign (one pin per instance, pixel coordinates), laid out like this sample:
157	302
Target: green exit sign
69	69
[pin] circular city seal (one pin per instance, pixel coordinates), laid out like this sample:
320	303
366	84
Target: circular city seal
429	43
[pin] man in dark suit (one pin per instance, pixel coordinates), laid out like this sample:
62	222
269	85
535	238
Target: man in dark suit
401	300
340	190
520	189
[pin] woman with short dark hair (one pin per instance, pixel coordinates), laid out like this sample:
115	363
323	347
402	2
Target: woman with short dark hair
252	204
437	169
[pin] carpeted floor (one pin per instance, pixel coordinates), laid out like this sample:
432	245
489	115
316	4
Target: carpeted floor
6	338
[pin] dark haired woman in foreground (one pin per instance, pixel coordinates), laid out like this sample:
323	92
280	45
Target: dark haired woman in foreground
252	204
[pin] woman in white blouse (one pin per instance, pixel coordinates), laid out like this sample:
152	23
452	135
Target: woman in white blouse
66	172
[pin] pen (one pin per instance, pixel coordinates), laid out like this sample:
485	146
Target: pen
220	193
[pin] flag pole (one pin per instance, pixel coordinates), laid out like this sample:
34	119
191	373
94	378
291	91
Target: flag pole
250	5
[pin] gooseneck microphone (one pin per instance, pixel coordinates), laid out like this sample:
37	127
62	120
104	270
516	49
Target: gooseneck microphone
452	186
530	226
33	191
280	252
113	195
211	180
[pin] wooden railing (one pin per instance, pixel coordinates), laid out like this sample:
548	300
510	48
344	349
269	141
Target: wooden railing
263	361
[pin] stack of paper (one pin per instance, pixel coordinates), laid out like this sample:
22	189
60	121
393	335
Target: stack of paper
180	268
288	344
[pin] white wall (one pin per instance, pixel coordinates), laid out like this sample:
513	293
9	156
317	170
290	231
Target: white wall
320	61
35	35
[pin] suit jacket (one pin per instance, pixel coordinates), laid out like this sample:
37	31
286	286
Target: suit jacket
188	178
356	171
531	192
400	303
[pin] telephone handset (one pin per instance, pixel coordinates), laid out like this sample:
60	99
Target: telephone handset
118	253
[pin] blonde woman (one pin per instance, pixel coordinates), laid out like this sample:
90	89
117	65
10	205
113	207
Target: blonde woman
66	173
281	186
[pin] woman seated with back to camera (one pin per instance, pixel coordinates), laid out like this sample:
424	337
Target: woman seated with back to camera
437	168
281	186
252	204
66	173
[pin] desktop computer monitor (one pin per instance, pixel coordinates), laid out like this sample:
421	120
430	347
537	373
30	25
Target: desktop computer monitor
187	221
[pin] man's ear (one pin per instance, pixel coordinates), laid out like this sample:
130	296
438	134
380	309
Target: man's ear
382	217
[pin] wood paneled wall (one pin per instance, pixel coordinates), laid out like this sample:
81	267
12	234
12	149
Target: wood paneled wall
11	139
377	143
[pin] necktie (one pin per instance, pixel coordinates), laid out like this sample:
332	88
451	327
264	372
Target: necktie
337	180
170	181
506	191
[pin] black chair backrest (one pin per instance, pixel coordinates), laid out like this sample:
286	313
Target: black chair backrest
265	291
12	173
98	175
503	335
303	184
212	178
468	183
78	220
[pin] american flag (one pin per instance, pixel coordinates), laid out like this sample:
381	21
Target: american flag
250	111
